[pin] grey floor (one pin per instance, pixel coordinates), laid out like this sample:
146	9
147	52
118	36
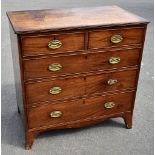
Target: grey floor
107	138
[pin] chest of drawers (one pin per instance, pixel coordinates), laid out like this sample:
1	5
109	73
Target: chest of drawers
75	67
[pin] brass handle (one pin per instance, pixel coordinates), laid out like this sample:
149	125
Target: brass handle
111	81
55	90
56	114
116	39
54	67
109	105
54	44
114	60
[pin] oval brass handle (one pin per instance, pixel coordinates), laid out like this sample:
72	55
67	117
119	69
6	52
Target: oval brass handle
54	67
116	39
114	60
109	105
55	90
56	114
54	44
111	81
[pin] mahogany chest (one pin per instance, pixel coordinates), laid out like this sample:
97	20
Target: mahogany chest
75	67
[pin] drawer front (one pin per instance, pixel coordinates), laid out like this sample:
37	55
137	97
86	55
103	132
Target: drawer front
48	44
115	37
111	81
59	113
54	90
66	65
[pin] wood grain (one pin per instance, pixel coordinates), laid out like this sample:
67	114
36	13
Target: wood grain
102	38
79	87
98	83
80	63
34	21
32	45
100	61
18	76
38	92
79	109
38	68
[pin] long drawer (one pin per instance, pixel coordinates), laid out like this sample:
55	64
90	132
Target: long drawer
61	89
61	113
47	67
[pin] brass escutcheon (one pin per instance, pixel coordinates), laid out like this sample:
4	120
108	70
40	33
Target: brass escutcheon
54	67
54	44
109	105
111	81
55	114
114	60
116	39
55	90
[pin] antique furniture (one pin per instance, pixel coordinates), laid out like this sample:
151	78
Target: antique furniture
75	67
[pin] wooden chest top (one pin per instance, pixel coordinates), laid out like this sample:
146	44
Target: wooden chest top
35	21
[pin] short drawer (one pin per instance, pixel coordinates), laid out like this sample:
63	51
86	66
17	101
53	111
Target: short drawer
48	44
111	81
116	37
54	90
61	113
75	64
